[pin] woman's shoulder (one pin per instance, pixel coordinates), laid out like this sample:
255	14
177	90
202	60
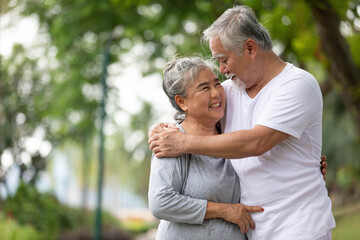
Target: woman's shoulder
169	161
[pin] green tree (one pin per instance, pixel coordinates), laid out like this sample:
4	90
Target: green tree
129	161
307	33
24	88
299	27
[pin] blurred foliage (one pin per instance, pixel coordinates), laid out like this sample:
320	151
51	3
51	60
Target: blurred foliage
42	211
139	226
131	156
347	222
43	217
25	99
12	230
347	228
340	139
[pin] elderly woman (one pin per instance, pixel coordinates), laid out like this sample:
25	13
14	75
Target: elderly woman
196	196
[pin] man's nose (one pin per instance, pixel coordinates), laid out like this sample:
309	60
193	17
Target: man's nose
223	68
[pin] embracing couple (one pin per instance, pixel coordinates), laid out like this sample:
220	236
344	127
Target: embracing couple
243	161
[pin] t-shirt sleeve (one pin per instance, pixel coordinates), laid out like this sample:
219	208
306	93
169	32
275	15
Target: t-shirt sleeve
292	107
227	88
165	200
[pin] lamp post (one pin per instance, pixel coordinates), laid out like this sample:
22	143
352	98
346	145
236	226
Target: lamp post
98	220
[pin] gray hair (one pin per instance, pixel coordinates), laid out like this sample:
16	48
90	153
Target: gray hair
178	75
235	26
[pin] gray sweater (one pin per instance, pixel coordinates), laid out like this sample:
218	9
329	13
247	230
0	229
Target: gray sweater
178	192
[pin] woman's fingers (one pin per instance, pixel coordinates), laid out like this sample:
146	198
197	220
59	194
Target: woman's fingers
239	214
251	222
241	225
253	208
246	224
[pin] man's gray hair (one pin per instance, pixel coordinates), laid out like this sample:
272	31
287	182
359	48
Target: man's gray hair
179	74
235	26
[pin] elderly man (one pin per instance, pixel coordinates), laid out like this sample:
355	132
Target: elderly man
272	132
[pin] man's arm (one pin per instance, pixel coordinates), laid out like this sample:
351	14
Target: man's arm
164	148
238	144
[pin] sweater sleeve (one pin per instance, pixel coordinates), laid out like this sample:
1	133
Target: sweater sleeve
165	200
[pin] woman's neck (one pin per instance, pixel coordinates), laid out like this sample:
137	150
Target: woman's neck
196	128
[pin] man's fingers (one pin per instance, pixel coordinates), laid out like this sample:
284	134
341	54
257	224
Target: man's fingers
154	129
152	145
153	138
254	209
324	164
173	126
171	129
159	155
160	127
156	150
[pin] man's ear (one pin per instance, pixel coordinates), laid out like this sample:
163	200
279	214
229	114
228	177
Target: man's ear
181	102
250	46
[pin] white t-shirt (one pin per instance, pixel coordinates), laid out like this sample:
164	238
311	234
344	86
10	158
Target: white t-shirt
286	181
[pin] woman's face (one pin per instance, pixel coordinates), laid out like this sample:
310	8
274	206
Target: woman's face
205	101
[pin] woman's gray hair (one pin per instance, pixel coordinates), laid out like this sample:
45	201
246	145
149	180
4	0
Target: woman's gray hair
179	74
235	26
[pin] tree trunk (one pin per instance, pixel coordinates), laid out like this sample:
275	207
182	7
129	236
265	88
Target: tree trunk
336	48
85	173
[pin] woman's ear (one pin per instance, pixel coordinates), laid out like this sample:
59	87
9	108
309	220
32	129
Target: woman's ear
181	102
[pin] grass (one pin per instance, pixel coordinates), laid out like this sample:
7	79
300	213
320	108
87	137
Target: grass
347	222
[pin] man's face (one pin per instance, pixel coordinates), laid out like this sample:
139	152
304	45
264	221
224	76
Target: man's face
231	65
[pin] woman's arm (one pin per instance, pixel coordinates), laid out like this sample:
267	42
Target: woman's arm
166	202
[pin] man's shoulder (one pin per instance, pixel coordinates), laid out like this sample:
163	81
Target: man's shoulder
295	77
296	73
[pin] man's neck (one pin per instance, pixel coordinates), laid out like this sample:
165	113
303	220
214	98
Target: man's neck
271	66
